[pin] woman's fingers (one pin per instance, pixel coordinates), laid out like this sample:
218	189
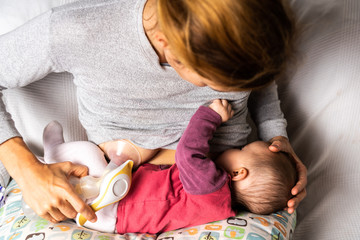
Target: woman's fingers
57	215
294	202
302	178
71	204
51	214
68	207
275	146
48	217
298	191
282	144
67	210
52	196
79	206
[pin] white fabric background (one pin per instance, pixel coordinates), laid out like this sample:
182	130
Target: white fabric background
321	103
15	12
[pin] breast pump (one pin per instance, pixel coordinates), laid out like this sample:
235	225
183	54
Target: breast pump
116	180
112	186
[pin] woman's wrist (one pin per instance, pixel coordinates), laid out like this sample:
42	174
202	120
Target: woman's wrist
17	158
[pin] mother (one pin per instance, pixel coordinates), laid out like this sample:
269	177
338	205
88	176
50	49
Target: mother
129	60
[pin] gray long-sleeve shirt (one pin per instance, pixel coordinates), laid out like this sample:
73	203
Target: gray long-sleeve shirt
122	90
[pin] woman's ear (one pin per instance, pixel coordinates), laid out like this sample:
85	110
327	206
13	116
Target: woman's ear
239	174
160	39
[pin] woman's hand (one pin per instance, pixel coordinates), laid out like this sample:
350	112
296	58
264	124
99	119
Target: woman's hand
281	143
50	194
45	187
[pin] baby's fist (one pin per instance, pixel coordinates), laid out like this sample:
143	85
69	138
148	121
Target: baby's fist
223	108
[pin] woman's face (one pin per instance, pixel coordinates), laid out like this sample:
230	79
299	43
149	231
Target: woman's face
190	75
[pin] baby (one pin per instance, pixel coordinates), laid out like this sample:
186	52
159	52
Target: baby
261	179
197	190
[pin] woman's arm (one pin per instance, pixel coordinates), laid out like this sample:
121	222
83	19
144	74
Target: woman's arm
25	56
265	111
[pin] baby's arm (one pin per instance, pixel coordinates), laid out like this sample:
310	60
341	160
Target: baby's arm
198	173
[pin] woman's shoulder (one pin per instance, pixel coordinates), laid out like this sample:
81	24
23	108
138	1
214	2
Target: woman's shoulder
93	5
92	24
90	11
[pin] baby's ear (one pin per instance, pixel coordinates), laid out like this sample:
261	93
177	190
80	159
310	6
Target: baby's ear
239	174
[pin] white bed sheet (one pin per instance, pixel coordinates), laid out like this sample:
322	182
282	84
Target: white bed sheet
321	103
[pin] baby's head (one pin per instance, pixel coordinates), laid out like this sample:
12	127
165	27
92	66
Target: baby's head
261	179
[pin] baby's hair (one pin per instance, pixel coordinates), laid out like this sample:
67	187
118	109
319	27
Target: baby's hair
271	187
239	44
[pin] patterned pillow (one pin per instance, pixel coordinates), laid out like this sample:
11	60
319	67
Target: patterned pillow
15	225
247	226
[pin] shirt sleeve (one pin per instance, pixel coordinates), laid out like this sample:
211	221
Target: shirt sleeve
25	56
265	111
198	173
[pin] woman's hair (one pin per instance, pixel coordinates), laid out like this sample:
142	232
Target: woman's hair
241	44
271	182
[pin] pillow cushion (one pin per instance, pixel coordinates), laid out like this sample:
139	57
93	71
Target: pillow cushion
15	13
15	225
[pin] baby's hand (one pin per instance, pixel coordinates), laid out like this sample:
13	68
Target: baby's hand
223	108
